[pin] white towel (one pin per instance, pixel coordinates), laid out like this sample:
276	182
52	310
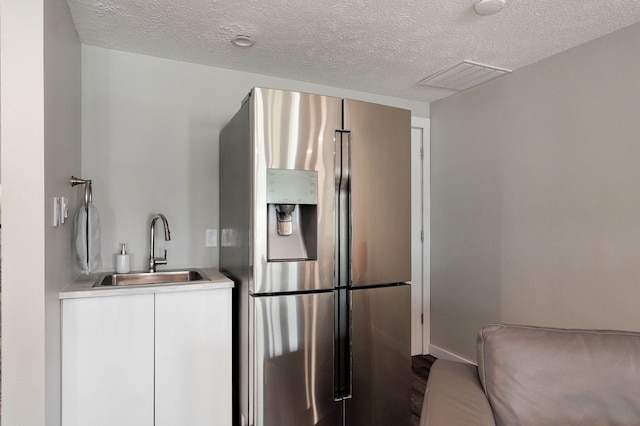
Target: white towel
87	243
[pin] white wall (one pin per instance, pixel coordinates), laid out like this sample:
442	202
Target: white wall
40	115
535	196
23	350
150	132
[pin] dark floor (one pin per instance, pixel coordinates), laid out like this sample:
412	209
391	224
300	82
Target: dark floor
420	366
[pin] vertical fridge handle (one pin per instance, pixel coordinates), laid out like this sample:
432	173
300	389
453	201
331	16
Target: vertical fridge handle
342	160
342	273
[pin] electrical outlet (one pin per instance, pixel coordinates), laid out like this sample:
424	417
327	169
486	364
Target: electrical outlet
211	238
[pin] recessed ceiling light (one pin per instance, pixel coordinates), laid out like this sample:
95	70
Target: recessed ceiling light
488	7
243	40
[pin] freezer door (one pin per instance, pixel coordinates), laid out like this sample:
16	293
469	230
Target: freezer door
294	361
380	193
381	345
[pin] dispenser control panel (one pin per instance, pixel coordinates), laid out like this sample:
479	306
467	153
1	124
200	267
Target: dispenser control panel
292	186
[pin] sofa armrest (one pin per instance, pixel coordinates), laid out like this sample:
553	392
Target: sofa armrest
454	397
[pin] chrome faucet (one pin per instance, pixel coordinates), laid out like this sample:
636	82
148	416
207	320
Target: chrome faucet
153	260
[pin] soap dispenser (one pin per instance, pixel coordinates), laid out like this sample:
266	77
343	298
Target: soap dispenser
123	261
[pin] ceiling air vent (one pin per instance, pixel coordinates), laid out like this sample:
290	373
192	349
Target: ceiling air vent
463	76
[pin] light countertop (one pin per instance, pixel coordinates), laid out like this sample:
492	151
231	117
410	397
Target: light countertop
83	286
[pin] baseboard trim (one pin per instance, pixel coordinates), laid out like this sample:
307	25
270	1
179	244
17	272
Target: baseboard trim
444	354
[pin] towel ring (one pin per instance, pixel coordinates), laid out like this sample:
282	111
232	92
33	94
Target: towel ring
88	192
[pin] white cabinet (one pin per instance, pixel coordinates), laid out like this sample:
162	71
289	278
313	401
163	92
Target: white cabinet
107	361
147	359
193	358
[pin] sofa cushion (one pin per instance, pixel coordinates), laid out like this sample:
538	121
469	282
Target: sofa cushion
546	376
454	397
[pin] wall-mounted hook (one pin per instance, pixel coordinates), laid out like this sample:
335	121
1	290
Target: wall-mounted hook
88	192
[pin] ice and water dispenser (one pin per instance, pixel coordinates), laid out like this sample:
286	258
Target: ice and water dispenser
292	201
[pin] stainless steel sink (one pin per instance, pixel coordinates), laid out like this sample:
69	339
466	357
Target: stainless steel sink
140	278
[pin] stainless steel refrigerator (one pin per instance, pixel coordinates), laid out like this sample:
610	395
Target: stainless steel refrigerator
315	232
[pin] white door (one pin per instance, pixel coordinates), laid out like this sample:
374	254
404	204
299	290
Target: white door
420	220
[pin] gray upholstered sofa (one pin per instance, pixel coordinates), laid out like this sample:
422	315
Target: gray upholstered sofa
539	376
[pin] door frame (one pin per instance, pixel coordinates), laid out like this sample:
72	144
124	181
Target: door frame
421	235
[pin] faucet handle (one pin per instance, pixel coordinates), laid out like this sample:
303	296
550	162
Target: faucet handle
160	260
163	260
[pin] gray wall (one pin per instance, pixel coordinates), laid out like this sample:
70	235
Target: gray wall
150	130
40	126
536	197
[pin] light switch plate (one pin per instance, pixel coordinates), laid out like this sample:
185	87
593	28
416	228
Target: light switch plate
56	211
64	209
60	210
211	238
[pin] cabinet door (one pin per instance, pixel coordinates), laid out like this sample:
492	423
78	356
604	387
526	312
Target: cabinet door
107	361
193	358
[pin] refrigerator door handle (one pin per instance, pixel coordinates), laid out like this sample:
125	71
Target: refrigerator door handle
342	157
343	359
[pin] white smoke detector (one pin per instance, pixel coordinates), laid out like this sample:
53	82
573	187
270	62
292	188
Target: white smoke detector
488	7
243	40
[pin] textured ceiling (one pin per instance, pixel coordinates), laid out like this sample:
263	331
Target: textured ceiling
377	46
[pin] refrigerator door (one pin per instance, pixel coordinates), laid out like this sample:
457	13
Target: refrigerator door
293	133
294	361
381	345
380	188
